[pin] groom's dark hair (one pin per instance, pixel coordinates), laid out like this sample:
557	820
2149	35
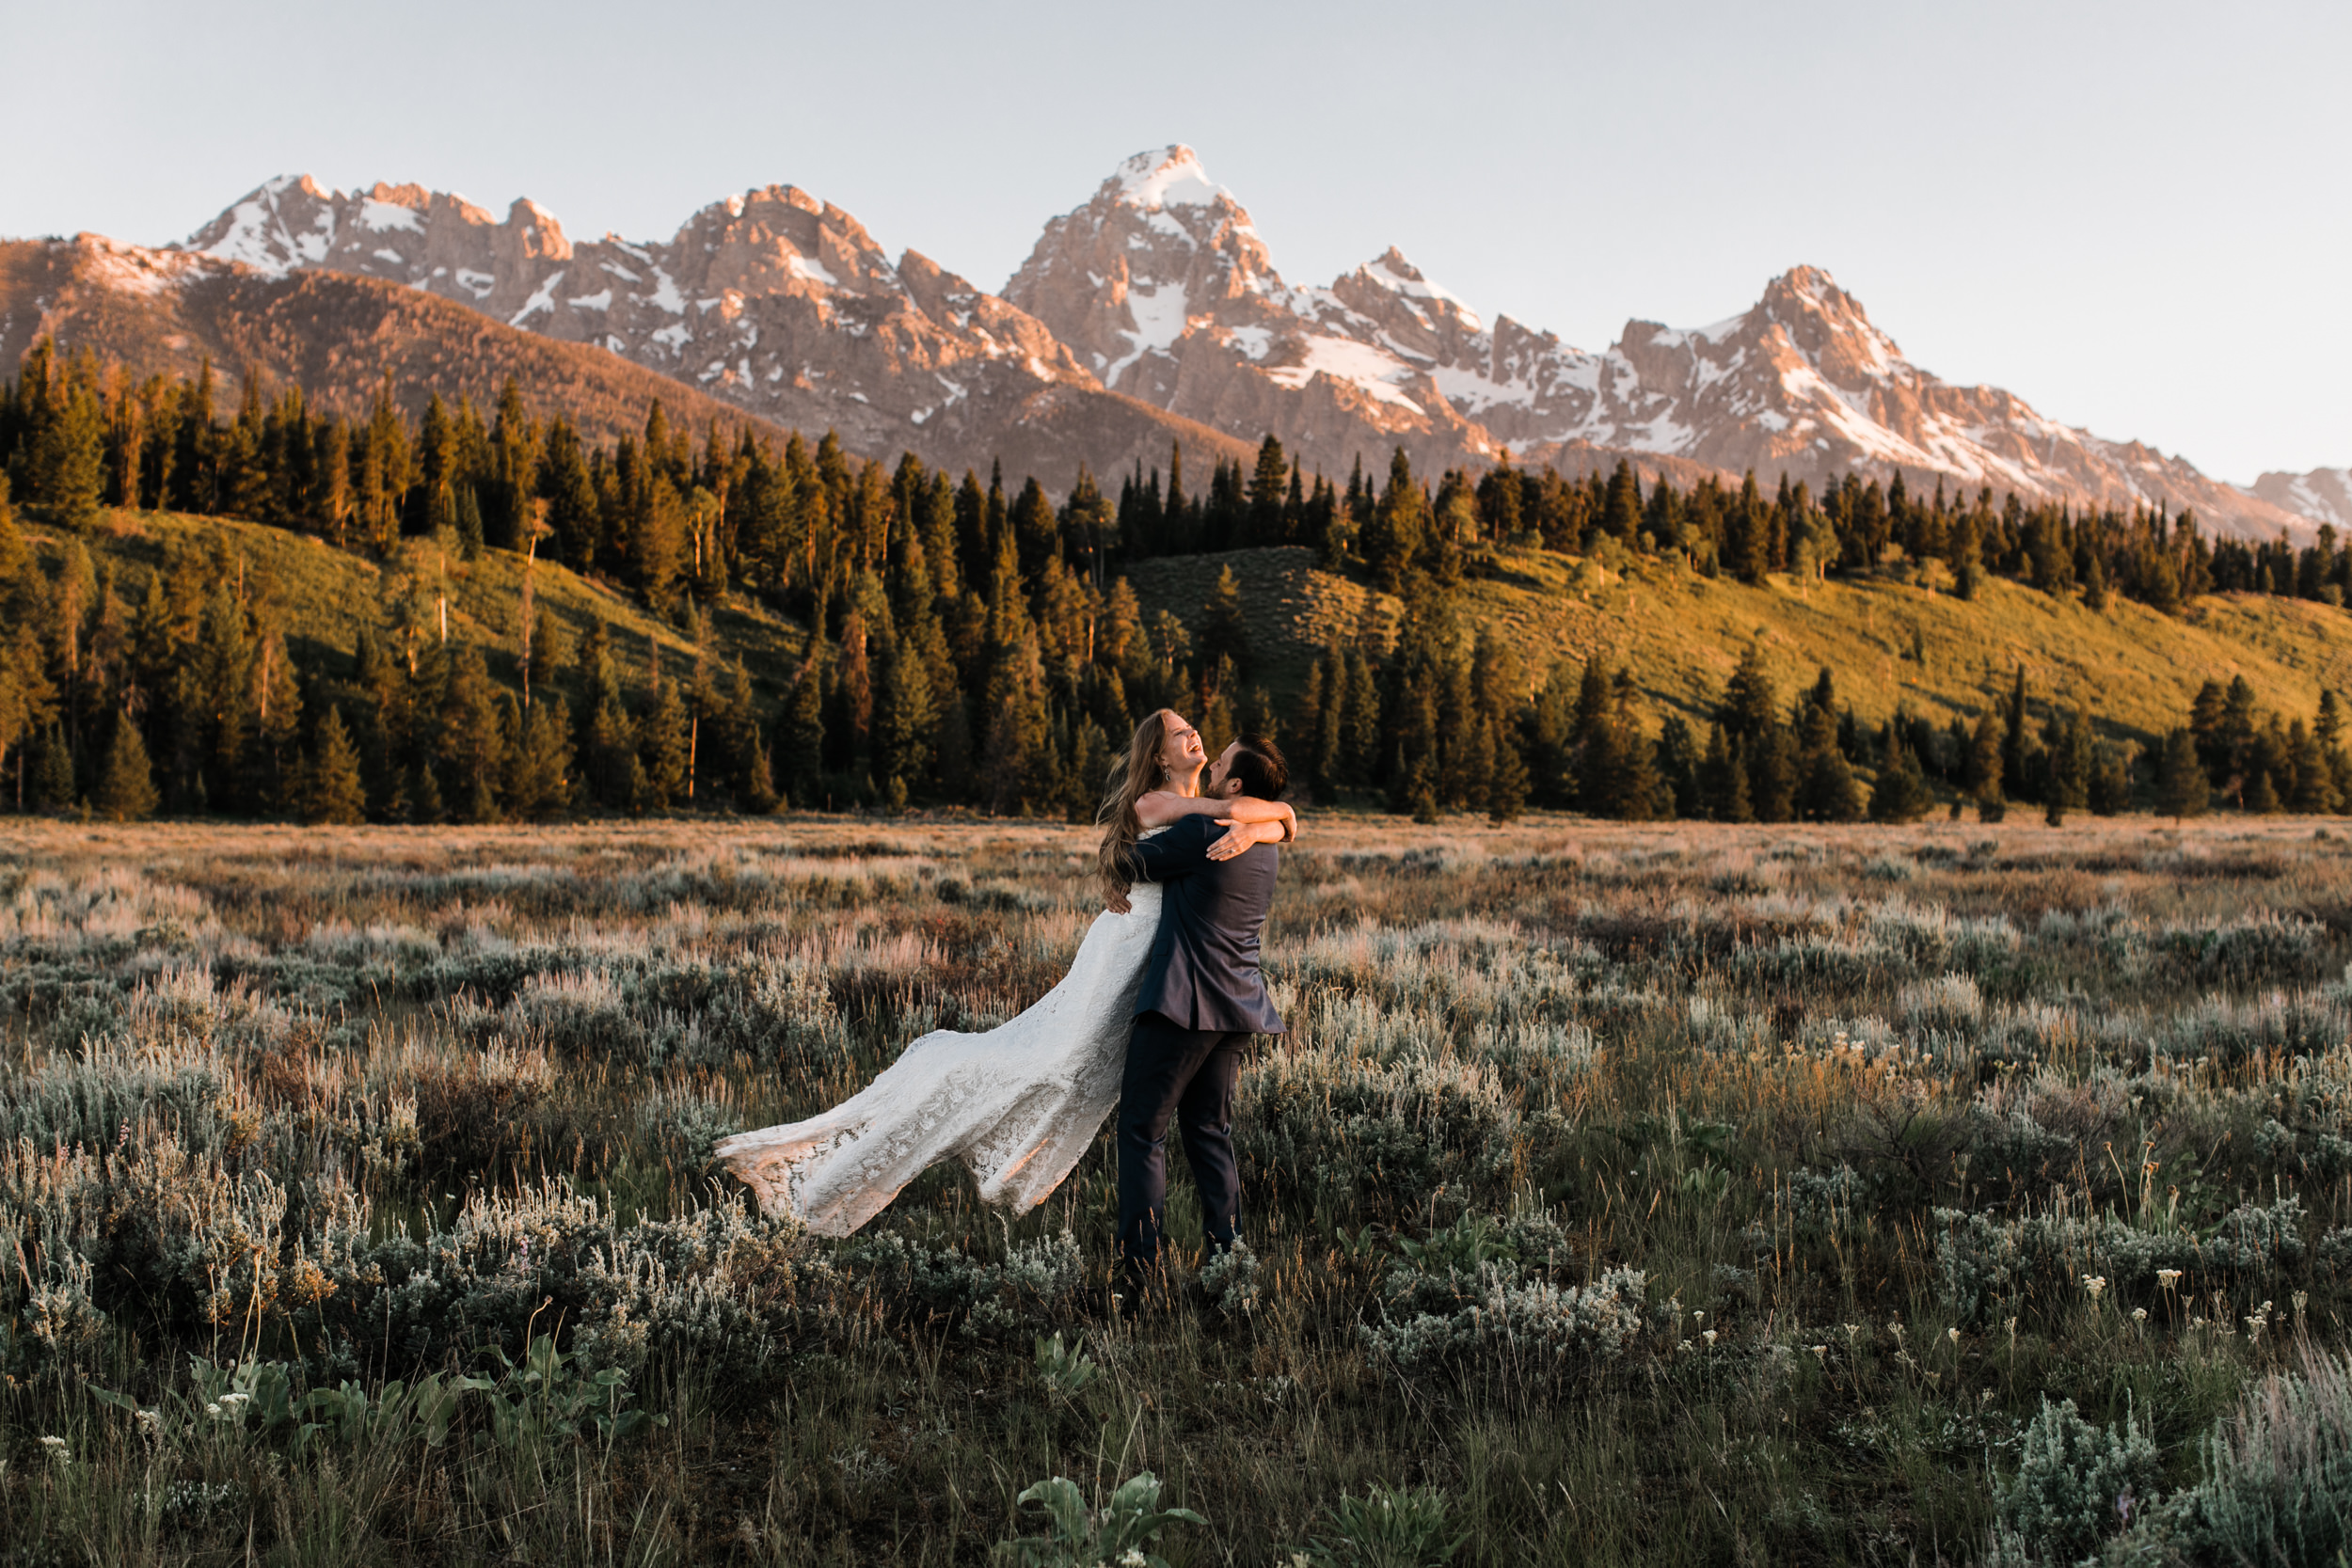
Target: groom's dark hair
1257	764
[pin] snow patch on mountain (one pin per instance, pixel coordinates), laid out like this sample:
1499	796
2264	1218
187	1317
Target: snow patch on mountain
542	298
1363	365
2323	495
381	216
1169	177
1158	313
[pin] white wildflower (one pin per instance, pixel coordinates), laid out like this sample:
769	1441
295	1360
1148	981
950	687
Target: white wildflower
2096	1284
59	1454
1709	1336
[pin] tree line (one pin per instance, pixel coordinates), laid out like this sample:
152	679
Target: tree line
970	641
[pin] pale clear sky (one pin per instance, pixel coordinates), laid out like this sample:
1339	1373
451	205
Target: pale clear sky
2134	216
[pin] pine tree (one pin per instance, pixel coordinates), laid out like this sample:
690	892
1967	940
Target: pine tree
756	794
51	784
2013	740
1035	532
466	517
1621	507
1361	728
662	742
906	715
1600	771
1772	775
1223	632
2182	788
65	469
1393	539
2068	785
275	701
1981	766
1507	786
332	790
1318	757
2095	585
1724	780
1266	487
126	786
1641	792
1901	794
2261	796
1016	767
1747	541
423	798
1827	791
2315	788
658	543
2110	789
1413	766
1678	767
1751	705
539	783
472	745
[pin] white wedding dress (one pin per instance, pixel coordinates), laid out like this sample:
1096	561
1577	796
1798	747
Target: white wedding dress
1018	1104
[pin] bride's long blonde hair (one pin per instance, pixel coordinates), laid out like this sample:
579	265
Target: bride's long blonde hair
1138	774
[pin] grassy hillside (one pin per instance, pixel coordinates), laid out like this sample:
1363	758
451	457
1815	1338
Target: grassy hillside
1681	634
329	594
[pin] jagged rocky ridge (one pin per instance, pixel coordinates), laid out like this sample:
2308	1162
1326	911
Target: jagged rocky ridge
1160	285
1155	312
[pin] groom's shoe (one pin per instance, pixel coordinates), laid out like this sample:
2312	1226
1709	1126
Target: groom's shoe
1143	1286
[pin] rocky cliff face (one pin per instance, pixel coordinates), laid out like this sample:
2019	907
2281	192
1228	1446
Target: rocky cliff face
2323	496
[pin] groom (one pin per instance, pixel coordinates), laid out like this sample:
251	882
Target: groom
1202	998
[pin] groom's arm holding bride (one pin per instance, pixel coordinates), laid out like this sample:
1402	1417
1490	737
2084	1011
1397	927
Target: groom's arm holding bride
1248	817
1248	823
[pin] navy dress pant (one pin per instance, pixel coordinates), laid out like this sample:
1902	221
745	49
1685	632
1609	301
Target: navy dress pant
1187	1074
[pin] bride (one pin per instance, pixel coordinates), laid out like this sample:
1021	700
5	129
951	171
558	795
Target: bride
1019	1103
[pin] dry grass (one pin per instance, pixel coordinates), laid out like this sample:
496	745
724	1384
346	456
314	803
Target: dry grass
1858	1108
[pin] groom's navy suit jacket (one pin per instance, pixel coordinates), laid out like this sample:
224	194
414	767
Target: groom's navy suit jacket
1203	972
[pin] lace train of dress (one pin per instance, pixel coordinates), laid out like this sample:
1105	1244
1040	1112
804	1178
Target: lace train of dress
1018	1104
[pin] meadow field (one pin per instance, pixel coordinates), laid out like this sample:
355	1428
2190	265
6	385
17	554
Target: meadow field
1621	1195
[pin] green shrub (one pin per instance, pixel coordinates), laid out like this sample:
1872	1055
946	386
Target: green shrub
1481	1300
2277	1474
1122	1531
1385	1135
1389	1527
2075	1485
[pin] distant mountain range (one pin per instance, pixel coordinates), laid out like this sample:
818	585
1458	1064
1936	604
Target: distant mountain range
1149	316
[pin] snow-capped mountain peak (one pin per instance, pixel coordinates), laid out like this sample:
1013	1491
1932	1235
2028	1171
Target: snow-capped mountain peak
1389	270
1168	177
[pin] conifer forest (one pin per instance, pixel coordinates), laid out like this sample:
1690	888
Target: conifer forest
1782	1066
